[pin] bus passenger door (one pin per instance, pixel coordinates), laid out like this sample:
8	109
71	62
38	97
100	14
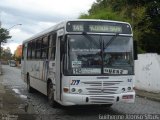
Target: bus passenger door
58	65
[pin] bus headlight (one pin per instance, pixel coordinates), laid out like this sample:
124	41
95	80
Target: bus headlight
129	88
73	90
79	90
123	89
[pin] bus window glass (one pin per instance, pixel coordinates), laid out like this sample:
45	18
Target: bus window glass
44	53
29	50
45	47
84	58
38	54
33	49
94	58
45	42
118	58
38	44
53	46
38	48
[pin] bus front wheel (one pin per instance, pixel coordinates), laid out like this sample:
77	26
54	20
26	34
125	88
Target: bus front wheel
29	88
50	95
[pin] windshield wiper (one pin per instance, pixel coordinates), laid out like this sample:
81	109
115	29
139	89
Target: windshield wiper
110	41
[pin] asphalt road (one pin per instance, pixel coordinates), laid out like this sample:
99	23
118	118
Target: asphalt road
36	103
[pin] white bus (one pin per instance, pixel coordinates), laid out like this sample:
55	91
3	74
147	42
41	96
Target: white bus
81	62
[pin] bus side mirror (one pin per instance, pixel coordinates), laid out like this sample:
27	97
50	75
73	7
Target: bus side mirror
135	50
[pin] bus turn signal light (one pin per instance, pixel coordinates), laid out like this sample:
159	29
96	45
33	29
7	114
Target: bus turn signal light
65	90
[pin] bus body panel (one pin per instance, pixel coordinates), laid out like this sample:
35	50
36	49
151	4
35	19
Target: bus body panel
98	89
76	99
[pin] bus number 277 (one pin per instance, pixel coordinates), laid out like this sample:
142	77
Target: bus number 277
75	82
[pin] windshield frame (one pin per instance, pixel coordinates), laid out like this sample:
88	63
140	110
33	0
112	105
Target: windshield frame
65	61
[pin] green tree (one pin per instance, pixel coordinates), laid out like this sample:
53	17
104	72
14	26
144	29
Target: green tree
4	36
143	15
6	54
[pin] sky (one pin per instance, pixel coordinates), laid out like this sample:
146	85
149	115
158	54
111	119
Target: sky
36	16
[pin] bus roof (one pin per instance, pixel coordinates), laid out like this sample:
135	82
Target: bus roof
63	24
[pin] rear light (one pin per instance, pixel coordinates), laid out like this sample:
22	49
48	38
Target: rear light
65	90
127	97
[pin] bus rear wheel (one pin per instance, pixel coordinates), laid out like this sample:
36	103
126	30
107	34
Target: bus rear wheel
29	88
50	95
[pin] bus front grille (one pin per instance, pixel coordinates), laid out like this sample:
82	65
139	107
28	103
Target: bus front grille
102	90
96	83
102	87
102	99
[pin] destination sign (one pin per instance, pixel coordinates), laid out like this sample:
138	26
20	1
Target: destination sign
98	27
78	28
105	28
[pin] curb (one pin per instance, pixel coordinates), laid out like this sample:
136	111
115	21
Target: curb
148	95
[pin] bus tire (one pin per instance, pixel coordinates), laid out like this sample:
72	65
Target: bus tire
50	95
29	88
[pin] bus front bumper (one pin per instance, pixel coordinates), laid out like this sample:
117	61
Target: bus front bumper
78	99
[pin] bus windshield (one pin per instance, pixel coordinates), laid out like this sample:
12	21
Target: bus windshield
92	55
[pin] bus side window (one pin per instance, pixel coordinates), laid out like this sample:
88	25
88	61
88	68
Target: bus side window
45	47
53	46
38	48
33	49
29	50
